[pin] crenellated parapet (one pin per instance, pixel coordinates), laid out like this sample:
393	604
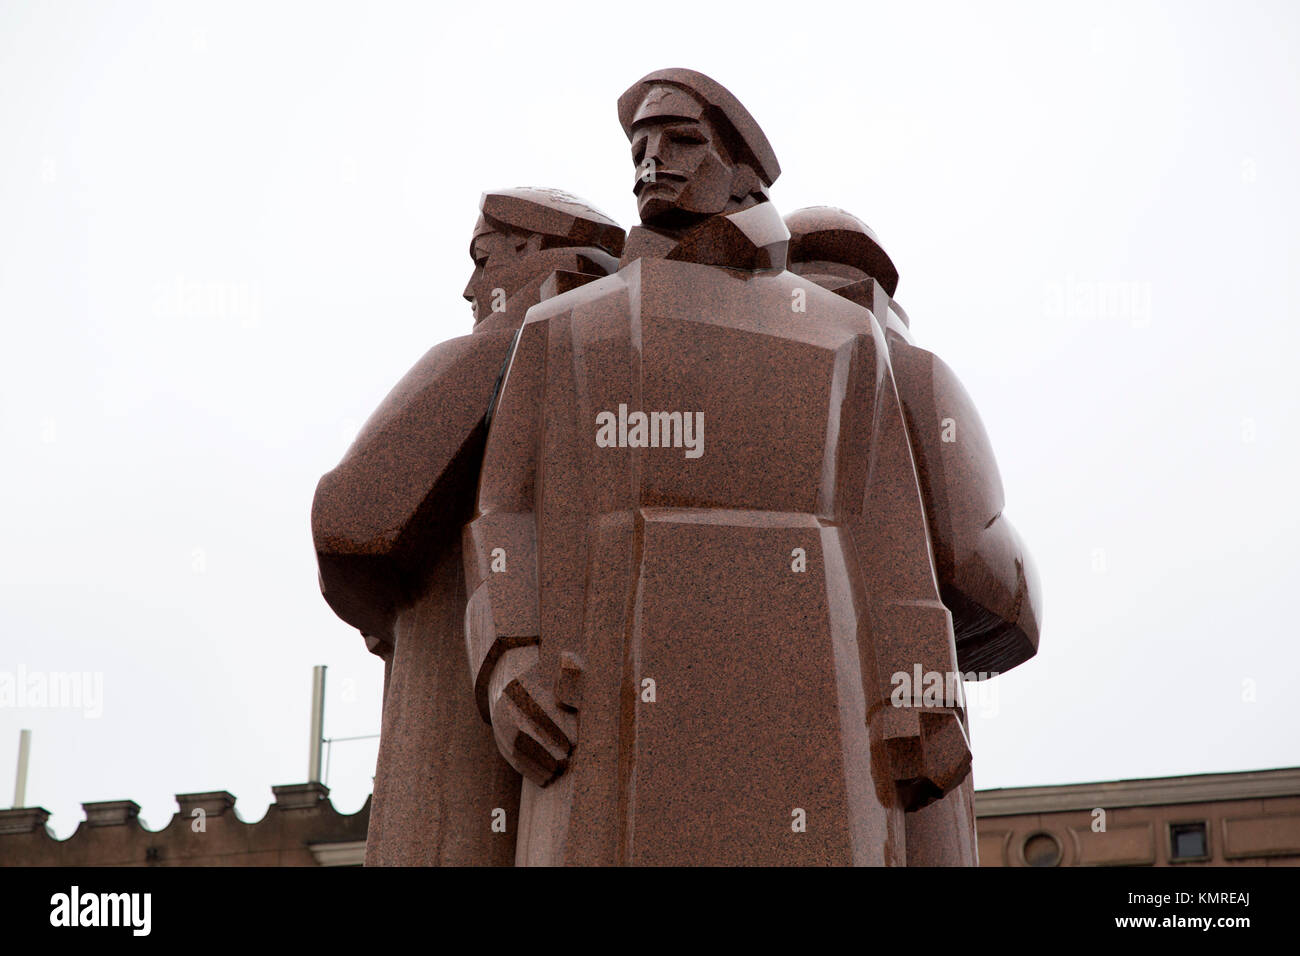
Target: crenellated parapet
301	828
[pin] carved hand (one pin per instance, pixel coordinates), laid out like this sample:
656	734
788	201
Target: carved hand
533	733
930	757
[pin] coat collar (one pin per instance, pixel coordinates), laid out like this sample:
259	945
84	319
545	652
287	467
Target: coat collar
751	240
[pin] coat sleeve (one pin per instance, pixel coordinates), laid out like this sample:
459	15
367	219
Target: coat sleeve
986	577
399	497
500	543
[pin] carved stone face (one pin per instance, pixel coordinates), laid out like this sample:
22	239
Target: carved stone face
497	256
684	172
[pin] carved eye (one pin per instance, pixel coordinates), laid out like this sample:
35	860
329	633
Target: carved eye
688	138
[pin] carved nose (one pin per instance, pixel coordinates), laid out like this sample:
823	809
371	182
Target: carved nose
653	149
469	297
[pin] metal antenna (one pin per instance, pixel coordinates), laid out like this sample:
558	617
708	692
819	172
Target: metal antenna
24	752
317	722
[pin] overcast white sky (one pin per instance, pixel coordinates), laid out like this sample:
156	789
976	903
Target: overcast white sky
226	230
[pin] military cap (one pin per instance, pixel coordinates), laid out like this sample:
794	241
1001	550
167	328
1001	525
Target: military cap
747	141
827	234
549	212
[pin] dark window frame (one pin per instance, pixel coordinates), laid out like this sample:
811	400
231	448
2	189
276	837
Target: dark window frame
1173	825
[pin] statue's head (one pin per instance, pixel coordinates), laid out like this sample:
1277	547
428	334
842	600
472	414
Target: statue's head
697	150
837	251
517	235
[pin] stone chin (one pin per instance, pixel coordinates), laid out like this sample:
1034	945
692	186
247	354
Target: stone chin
658	210
667	209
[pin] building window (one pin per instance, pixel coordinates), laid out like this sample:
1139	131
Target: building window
1188	841
1041	849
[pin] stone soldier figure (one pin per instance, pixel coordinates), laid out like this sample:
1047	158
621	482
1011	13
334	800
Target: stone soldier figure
387	526
986	578
985	574
686	637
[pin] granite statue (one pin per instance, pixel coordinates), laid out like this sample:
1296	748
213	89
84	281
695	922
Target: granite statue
680	557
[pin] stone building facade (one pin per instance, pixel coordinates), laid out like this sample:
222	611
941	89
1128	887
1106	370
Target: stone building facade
1222	819
301	828
1217	819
